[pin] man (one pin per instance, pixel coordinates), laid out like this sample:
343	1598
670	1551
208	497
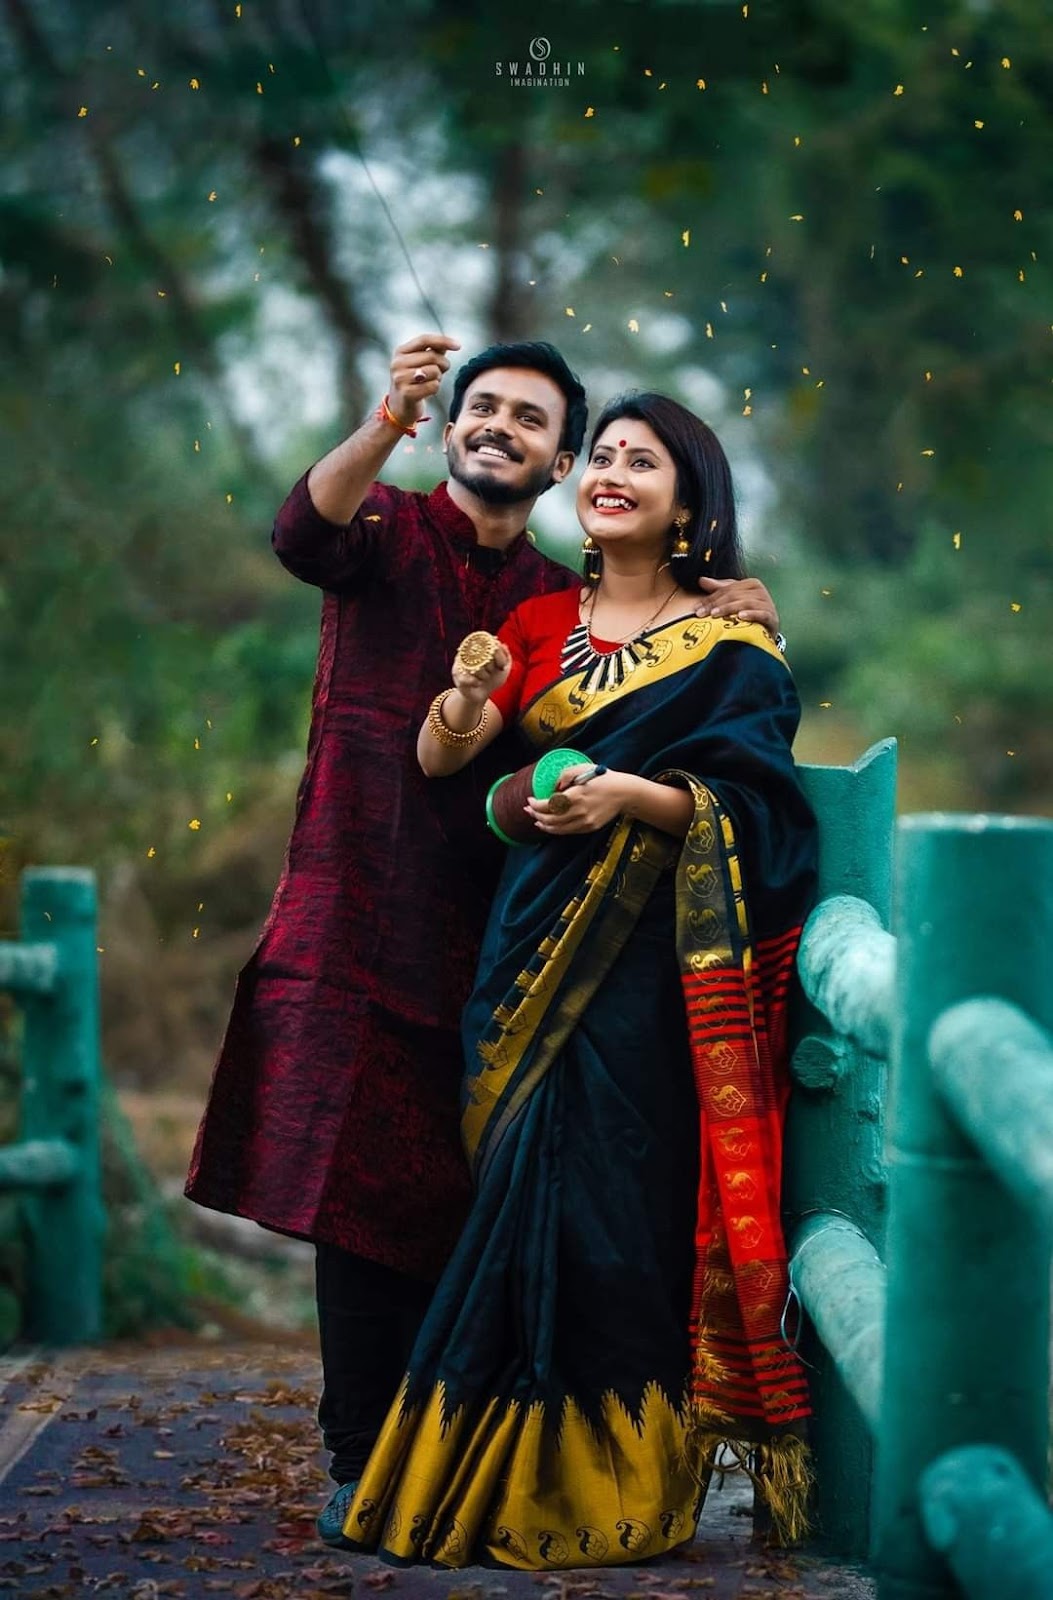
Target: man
333	1113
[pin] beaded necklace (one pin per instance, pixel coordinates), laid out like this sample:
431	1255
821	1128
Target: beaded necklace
605	669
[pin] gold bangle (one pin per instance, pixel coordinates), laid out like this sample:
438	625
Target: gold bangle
444	734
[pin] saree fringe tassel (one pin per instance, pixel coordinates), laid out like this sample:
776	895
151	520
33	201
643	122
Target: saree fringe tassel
780	1471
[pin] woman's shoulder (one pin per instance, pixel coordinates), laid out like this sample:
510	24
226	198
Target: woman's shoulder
543	612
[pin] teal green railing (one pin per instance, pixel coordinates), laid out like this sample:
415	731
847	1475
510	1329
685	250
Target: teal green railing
944	1359
54	1168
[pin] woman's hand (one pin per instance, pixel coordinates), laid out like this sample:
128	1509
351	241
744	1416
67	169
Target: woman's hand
584	807
477	685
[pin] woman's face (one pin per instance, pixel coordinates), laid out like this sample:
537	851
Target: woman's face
627	494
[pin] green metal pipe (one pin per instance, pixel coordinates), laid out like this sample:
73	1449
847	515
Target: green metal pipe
37	1164
995	1068
847	965
834	1157
982	1514
60	1100
28	968
840	1279
967	1335
820	1063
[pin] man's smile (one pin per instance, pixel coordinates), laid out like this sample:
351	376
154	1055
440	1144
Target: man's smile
494	451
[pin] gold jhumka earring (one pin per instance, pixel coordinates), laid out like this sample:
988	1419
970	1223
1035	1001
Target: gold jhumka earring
592	561
681	544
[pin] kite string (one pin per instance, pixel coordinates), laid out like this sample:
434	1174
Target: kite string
360	154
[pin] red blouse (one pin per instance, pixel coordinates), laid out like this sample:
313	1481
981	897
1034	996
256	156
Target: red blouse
535	634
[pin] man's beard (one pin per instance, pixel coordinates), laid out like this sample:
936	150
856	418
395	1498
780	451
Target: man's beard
494	492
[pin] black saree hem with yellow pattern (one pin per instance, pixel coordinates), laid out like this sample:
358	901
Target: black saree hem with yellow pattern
616	1296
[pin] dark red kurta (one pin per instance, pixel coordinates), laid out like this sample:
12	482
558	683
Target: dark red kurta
334	1107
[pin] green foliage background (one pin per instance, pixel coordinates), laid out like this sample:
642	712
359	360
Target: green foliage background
831	223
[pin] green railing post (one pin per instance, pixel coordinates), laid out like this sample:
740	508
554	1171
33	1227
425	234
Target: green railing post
834	1159
967	1336
60	1100
994	1532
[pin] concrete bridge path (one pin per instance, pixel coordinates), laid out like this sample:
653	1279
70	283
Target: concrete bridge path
192	1471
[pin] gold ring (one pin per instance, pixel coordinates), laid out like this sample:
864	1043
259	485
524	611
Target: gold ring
559	804
476	651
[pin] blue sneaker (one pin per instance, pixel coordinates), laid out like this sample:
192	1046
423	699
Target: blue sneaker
330	1520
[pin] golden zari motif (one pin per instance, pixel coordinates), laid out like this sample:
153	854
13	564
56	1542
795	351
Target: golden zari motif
668	650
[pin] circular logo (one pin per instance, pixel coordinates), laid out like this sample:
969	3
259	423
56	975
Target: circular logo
540	49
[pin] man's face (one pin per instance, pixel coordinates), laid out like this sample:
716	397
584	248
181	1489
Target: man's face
504	446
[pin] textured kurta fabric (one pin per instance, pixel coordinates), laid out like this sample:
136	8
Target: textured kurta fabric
333	1109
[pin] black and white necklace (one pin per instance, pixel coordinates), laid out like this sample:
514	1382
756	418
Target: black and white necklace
605	669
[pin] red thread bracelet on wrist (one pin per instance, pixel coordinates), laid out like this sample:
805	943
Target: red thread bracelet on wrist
384	413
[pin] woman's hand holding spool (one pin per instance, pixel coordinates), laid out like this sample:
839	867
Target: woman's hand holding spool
587	799
460	720
480	666
583	806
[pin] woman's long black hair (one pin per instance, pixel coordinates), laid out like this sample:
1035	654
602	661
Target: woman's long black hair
703	483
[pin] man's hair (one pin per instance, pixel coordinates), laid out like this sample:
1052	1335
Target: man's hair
534	356
703	482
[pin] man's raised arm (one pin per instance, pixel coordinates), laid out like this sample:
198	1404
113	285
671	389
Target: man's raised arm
339	483
312	533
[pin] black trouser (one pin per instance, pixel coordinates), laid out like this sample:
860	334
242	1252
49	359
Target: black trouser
368	1317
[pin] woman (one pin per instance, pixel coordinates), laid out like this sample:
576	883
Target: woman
612	1312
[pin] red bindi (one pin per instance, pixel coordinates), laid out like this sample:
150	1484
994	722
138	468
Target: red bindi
621	444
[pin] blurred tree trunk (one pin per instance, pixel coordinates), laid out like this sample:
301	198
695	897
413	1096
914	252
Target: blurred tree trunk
509	314
41	58
301	205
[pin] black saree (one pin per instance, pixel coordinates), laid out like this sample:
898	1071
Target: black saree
613	1307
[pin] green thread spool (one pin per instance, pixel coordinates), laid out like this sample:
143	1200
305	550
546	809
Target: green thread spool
507	797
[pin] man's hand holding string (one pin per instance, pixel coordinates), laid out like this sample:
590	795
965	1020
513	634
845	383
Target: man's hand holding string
417	370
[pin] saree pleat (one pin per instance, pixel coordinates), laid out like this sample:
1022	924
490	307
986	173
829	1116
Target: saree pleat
614	1302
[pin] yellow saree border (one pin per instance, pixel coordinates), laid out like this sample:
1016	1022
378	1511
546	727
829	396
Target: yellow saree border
517	1021
557	711
491	1481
